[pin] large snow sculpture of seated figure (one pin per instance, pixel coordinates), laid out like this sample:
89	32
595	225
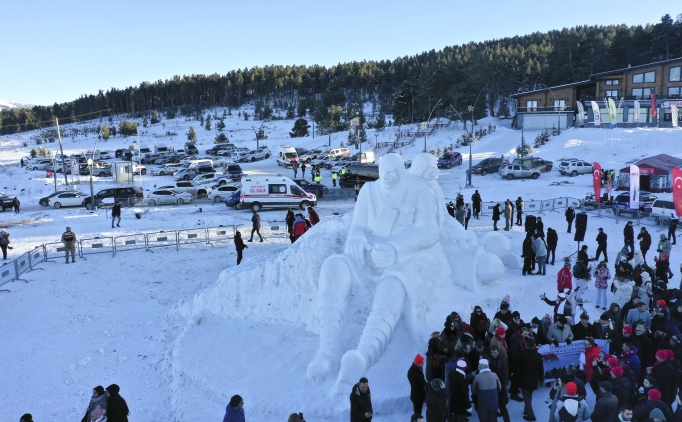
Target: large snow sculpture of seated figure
393	249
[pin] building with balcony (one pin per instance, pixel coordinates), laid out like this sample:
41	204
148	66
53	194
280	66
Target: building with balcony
631	89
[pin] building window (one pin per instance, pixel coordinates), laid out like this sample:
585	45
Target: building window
674	92
675	74
612	93
642	92
646	77
532	105
559	105
610	82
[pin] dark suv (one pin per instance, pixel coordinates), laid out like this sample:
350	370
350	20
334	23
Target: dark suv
126	196
449	159
360	174
487	165
6	201
534	163
234	171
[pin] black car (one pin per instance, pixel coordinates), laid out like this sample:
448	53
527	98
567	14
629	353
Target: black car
488	165
359	174
126	196
316	188
191	149
6	201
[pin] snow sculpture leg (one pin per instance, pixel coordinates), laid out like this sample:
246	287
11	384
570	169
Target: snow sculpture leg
386	311
335	279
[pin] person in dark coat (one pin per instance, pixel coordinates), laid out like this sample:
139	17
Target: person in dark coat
641	411
540	227
663	372
16	204
239	245
116	213
255	221
672	227
460	403
519	211
361	402
479	322
314	218
607	404
476	202
629	237
584	328
531	375
621	386
497	365
234	411
436	401
644	241
516	344
601	245
290	220
117	410
552	240
496	216
528	255
415	375
570	216
451	209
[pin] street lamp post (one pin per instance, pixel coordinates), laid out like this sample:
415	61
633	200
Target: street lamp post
326	124
556	105
471	109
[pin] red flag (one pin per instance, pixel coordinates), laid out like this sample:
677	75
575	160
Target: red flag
596	178
677	191
654	112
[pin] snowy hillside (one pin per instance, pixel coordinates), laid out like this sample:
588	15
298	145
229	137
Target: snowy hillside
163	324
6	105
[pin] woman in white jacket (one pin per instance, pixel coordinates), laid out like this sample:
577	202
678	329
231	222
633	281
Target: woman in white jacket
623	291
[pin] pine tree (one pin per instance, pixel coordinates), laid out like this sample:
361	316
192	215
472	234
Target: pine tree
380	122
201	119
105	132
290	112
145	121
191	135
221	138
155	117
362	138
221	124
300	129
246	116
224	113
503	110
208	122
351	138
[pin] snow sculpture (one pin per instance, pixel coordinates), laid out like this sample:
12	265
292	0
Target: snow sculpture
394	247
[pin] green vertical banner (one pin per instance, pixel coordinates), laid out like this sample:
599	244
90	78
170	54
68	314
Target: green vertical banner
613	113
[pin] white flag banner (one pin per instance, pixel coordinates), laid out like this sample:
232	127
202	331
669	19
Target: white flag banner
636	112
597	113
675	113
581	111
634	187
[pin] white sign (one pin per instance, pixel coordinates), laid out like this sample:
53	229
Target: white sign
556	359
355	121
597	113
634	187
635	114
675	113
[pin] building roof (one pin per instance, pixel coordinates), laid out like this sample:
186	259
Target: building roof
661	164
581	83
625	69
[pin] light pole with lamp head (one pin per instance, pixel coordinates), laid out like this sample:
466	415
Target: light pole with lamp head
471	136
557	107
426	125
329	130
91	162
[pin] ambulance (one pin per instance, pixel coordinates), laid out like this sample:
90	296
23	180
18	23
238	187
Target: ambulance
272	192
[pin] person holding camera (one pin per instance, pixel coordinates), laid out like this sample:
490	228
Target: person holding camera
296	417
361	402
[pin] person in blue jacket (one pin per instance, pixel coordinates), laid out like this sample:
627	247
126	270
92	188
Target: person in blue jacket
234	412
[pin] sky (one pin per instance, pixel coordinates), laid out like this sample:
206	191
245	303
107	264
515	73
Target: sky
57	51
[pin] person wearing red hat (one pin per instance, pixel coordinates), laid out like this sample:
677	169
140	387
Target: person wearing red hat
663	372
415	375
460	403
620	385
571	407
500	343
663	268
641	411
592	352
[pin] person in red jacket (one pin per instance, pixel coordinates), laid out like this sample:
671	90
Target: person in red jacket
314	218
565	278
592	352
299	228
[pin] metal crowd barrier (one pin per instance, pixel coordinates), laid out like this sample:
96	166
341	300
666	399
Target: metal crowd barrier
162	239
97	245
220	235
130	242
531	207
22	264
35	257
54	251
189	236
7	274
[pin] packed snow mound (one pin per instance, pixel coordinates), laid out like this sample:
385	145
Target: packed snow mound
497	244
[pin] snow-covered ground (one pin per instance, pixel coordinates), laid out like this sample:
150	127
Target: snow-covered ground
153	322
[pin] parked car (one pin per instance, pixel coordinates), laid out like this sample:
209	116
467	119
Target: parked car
575	167
621	203
259	154
102	155
487	165
221	193
64	199
192	172
234	171
662	209
219	147
150	158
102	171
359	174
6	201
169	196
449	159
317	188
212	179
45	200
515	171
534	163
188	187
38	163
167	169
119	152
139	169
191	149
126	196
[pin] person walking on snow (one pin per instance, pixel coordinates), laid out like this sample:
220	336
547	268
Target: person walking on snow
664	246
507	214
672	227
415	375
496	215
540	249
552	240
303	170
234	411
601	245
294	167
361	402
16	204
69	241
4	243
519	211
629	236
116	213
601	282
564	280
644	241
476	202
117	410
240	246
570	216
255	220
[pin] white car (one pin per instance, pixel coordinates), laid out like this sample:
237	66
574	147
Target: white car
68	199
239	156
167	169
38	163
220	193
102	155
259	154
168	196
221	161
139	169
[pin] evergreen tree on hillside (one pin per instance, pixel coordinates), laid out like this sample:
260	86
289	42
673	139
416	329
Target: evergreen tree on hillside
106	132
221	138
246	116
380	121
191	135
201	119
300	129
155	117
145	121
290	112
362	135
350	140
503	110
221	124
208	122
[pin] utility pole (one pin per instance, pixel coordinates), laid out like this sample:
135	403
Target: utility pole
61	149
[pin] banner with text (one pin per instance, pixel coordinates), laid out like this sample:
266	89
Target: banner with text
613	113
596	178
654	111
597	113
556	359
581	113
635	115
634	187
677	191
675	113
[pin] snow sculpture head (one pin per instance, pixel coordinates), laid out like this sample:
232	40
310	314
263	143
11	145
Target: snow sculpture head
391	170
425	166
